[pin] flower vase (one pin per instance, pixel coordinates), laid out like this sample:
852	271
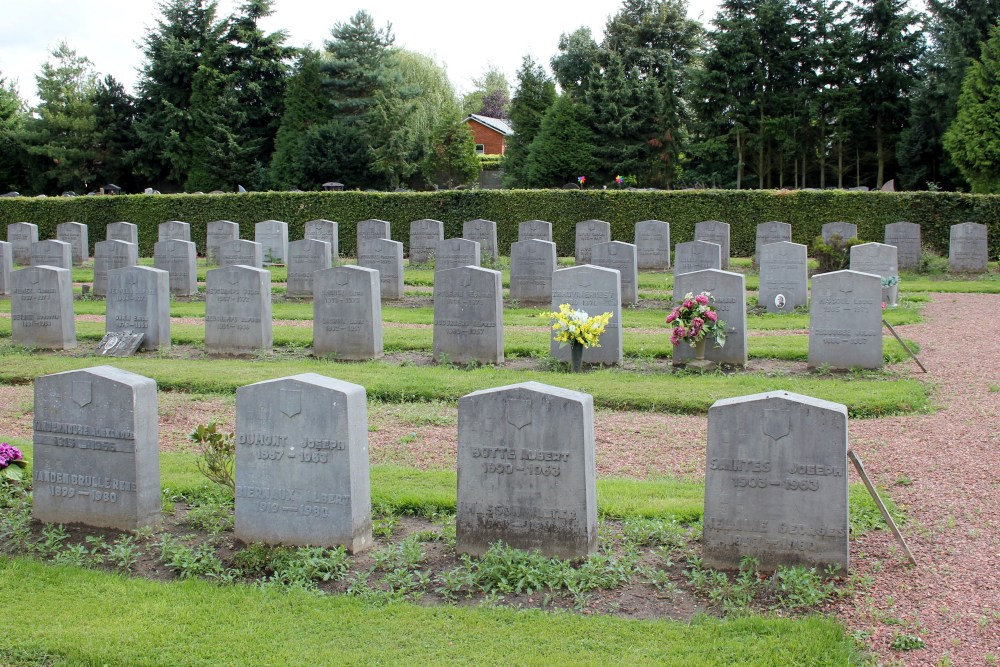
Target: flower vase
699	350
576	356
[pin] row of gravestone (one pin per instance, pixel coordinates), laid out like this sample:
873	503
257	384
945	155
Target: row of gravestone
775	483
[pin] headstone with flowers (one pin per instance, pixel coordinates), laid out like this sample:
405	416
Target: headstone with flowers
594	289
577	329
728	299
695	322
12	464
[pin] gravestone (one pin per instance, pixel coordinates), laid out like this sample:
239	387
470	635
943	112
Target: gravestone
325	230
122	231
108	256
595	290
468	315
784	276
139	301
238	310
729	290
75	234
6	266
588	234
41	308
425	235
534	229
776	482
532	264
272	235
305	257
241	251
52	253
178	259
20	236
455	253
621	256
483	232
880	259
219	231
696	256
174	230
846	230
714	231
768	233
906	237
302	463
845	320
347	313
96	449
386	257
526	471
119	344
969	248
370	230
652	242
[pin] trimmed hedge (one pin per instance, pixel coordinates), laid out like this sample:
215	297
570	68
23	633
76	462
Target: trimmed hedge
807	211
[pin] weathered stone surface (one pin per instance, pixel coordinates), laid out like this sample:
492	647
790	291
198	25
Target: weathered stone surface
386	257
272	235
624	258
588	234
122	231
455	253
238	310
41	308
595	290
75	234
305	257
174	230
714	231
652	242
6	266
325	230
425	235
729	290
880	259
347	313
846	230
178	259
96	449
370	230
696	256
139	301
776	482
526	471
845	320
784	276
483	232
108	256
52	253
241	251
906	237
768	233
468	315
532	263
20	236
968	249
534	229
219	232
302	463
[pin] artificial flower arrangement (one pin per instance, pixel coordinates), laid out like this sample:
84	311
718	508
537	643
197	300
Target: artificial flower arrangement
12	463
577	327
695	320
890	281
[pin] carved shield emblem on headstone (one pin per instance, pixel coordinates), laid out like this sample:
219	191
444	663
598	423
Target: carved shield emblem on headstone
342	279
233	277
467	280
612	250
82	392
34	277
291	402
131	278
592	226
518	412
777	423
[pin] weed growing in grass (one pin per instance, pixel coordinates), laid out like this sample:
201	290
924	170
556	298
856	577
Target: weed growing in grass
124	553
15	520
74	554
407	555
789	587
218	457
50	543
384	526
902	641
196	561
798	586
654	533
212	517
300	568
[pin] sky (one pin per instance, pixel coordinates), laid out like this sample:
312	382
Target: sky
465	37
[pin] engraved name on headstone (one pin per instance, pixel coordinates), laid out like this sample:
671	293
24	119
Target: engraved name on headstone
696	256
370	230
784	276
238	310
846	230
454	253
241	251
41	308
968	249
386	257
20	236
272	235
139	301
588	234
424	238
178	259
906	237
714	231
325	230
468	315
534	229
768	233
729	290
845	320
219	231
483	232
621	256
595	290
122	231
52	253
110	255
305	257
174	230
532	263
880	259
75	234
652	242
347	313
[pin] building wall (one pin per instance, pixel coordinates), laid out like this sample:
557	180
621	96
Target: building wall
493	142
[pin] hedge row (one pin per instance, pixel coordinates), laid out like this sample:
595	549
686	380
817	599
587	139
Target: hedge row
805	210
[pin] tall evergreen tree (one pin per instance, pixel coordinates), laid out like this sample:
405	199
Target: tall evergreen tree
577	54
452	160
564	146
304	108
535	94
13	158
115	116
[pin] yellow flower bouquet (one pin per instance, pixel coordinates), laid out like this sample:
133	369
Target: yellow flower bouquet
577	327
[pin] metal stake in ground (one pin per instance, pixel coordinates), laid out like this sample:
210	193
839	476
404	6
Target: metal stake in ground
881	506
908	350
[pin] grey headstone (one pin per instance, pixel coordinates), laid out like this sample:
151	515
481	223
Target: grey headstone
776	482
968	249
6	266
108	256
425	235
97	450
305	257
302	463
241	251
595	290
714	231
652	242
784	276
219	231
534	229
454	253
370	230
729	290
75	234
386	257
621	256
347	313
484	232
845	320
41	308
238	310
52	253
526	471
588	234
325	230
906	237
272	235
174	230
468	315
696	256
122	231
532	263
178	259
119	344
21	235
768	233
880	259
846	230
139	301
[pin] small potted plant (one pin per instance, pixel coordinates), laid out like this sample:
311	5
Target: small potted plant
695	321
12	464
578	330
890	290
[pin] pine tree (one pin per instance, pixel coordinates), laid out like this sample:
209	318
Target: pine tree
564	147
452	160
304	108
535	94
115	116
13	158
